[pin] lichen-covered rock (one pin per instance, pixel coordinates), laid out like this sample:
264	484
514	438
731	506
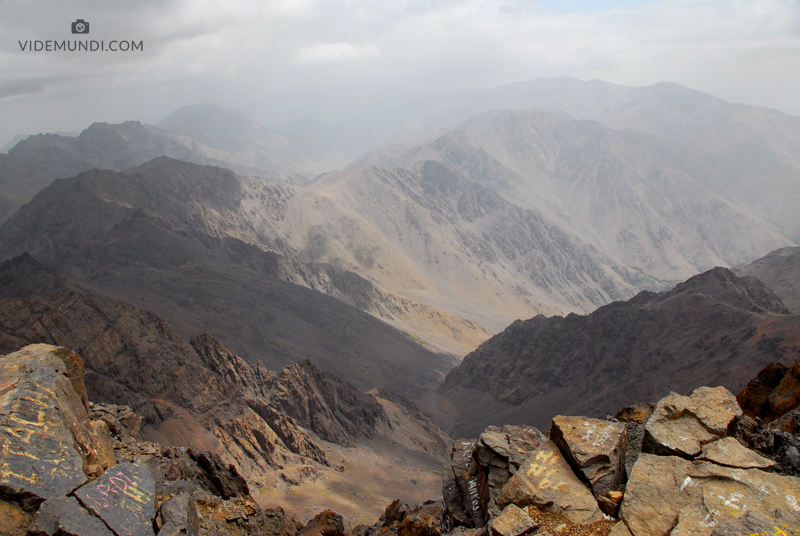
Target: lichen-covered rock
65	515
683	424
547	480
669	493
513	521
730	453
595	449
14	520
124	498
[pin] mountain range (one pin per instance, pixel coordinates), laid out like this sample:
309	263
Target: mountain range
713	329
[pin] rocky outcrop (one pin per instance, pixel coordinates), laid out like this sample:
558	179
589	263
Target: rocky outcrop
691	472
595	449
547	480
714	329
681	425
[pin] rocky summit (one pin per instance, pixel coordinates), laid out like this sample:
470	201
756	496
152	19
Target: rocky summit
706	464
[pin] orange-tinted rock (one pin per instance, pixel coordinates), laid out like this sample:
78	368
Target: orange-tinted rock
327	523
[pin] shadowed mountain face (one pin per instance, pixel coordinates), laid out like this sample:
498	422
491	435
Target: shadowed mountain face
164	238
200	394
714	329
780	271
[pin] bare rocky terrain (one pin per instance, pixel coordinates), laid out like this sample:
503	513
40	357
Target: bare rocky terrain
780	271
713	329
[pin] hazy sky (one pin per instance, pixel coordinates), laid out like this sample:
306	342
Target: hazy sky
297	60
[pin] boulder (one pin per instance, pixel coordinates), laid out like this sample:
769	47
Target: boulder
547	480
327	523
595	449
65	515
730	453
681	425
454	514
671	495
46	442
178	515
513	521
124	498
423	520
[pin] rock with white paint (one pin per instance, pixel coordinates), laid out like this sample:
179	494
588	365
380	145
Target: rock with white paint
595	449
683	424
546	480
672	495
471	482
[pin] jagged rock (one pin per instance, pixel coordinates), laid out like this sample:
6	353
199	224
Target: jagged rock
395	512
326	523
178	515
594	448
423	520
730	453
66	516
124	498
241	516
514	443
319	401
682	425
471	481
286	428
754	398
513	521
121	421
637	413
547	480
783	522
46	443
499	453
668	493
773	397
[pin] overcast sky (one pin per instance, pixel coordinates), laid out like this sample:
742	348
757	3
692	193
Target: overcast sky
297	60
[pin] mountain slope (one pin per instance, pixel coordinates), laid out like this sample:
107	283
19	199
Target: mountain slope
780	271
617	190
279	429
159	241
714	329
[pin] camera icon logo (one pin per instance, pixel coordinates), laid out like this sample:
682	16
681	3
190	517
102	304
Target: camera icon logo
80	26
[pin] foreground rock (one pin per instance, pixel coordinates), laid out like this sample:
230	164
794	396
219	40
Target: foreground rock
668	493
48	444
683	424
546	479
595	450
